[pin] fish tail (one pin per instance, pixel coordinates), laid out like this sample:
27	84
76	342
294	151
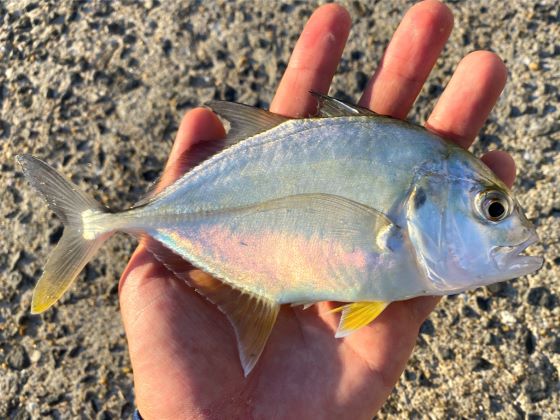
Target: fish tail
84	232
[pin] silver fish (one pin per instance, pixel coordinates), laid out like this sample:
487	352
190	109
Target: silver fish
349	206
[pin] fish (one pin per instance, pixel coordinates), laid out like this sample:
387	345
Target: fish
346	206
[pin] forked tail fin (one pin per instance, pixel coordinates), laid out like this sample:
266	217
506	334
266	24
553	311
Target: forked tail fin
77	245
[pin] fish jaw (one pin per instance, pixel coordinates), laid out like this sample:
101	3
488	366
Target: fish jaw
512	263
509	263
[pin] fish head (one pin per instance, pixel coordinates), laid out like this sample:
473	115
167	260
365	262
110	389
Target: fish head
467	228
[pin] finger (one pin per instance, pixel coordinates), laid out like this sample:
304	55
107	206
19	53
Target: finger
408	59
198	125
468	98
502	164
313	61
389	343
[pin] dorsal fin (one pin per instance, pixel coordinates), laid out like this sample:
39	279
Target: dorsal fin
332	107
252	317
245	120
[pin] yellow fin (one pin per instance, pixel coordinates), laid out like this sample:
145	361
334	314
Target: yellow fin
251	316
63	266
75	248
357	315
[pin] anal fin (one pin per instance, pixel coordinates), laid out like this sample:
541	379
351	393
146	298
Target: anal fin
251	316
357	315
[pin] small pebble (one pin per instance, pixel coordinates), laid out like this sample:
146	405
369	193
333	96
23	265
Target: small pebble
18	358
507	318
35	356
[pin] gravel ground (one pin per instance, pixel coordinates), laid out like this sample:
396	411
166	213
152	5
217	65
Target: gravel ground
98	89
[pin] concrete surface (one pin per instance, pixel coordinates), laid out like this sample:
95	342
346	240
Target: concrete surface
97	89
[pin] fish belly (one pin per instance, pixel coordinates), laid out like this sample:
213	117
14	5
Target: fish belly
293	254
283	266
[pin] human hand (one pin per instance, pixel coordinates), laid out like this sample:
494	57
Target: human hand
182	348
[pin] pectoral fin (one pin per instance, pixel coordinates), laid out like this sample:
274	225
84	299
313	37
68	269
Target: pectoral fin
329	216
251	316
357	315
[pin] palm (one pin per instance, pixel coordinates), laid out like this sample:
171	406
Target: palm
183	349
188	349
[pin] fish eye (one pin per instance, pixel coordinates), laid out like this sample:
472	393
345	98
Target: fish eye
493	205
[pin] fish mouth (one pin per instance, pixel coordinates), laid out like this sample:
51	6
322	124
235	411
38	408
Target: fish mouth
510	258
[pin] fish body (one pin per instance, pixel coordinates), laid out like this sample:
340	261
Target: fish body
350	207
281	255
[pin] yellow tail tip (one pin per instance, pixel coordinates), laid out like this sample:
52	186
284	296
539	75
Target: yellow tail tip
37	309
40	304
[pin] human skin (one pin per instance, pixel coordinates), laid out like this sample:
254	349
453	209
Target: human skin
182	348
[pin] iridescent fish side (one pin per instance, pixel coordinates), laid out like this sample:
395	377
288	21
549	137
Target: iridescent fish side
348	206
